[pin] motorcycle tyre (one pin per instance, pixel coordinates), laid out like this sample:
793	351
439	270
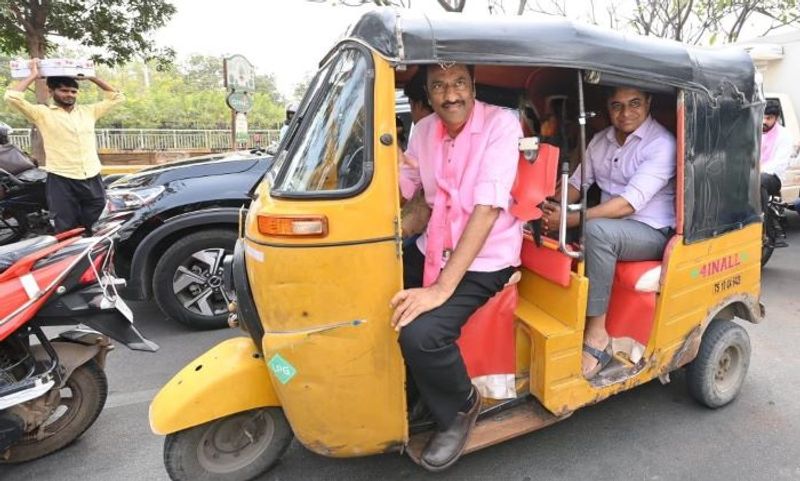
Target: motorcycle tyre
767	248
89	380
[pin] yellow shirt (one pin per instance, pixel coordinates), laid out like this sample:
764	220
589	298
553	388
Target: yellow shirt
69	140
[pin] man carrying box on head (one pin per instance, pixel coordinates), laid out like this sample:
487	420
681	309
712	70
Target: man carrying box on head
75	191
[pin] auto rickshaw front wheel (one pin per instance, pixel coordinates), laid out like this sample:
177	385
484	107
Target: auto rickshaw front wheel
716	375
239	447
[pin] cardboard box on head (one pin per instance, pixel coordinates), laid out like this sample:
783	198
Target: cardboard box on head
54	67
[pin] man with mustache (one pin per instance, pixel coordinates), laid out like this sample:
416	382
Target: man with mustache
75	190
464	157
633	163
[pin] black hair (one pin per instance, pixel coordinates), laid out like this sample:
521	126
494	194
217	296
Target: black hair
610	91
423	72
773	108
3	138
415	88
56	82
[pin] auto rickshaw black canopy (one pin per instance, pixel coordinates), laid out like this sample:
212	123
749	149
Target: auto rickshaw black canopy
723	107
413	38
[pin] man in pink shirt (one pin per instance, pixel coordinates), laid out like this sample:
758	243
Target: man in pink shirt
464	157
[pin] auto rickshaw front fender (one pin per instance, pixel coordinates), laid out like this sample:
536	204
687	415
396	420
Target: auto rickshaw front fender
231	377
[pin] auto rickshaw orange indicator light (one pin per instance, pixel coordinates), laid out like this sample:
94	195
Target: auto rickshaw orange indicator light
293	226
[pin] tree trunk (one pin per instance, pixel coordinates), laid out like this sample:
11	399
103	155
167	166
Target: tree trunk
452	5
37	49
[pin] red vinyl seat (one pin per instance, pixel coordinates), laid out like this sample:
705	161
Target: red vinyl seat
536	180
632	305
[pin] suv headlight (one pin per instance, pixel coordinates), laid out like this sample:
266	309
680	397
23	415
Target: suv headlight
131	199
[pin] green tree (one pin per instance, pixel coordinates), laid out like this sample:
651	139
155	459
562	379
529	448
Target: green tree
265	83
118	28
301	86
188	95
203	71
688	21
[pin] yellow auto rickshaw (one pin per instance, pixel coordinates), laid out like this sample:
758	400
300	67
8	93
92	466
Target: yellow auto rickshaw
320	248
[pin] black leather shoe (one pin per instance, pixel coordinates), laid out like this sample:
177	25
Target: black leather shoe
445	447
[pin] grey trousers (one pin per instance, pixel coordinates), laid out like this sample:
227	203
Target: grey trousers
612	240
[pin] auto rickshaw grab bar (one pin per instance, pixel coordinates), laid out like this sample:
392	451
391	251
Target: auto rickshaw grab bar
565	208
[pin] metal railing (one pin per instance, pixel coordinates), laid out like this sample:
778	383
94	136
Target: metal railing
149	140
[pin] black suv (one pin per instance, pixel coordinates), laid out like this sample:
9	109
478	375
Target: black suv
183	220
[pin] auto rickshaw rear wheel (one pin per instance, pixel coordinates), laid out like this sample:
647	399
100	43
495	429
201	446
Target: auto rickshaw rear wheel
716	375
239	447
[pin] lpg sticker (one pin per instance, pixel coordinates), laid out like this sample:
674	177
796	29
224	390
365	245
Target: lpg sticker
282	369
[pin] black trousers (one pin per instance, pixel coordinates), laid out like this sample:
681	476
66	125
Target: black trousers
436	368
771	183
75	202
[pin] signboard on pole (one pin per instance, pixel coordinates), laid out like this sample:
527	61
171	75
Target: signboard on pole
240	80
239	101
241	127
240	76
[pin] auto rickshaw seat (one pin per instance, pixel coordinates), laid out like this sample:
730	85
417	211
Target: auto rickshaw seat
488	345
632	305
547	261
535	181
487	341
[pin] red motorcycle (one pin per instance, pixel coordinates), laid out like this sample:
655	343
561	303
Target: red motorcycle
53	386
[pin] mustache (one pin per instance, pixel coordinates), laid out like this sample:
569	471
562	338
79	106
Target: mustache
456	102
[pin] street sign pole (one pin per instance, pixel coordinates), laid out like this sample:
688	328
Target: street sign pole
233	130
240	81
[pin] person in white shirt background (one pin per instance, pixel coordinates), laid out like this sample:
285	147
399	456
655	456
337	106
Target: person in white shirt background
777	149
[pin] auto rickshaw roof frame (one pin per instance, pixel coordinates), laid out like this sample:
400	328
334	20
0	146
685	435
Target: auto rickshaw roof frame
410	38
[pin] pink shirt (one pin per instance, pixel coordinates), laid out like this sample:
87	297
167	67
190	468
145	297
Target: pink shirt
478	167
777	148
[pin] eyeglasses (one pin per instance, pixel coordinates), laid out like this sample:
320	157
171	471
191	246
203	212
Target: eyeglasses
460	86
635	104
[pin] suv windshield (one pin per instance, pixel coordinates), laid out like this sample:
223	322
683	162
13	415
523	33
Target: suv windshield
328	154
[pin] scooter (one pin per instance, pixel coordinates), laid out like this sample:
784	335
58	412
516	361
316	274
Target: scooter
774	227
23	205
53	386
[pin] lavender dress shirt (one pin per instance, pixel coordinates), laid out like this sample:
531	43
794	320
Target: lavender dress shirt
642	171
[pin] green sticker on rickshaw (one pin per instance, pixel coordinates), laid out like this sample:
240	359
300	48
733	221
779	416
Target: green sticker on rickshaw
282	369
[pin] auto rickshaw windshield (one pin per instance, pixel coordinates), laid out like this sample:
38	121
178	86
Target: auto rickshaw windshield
327	153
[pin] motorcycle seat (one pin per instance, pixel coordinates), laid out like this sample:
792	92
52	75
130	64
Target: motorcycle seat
32	175
11	253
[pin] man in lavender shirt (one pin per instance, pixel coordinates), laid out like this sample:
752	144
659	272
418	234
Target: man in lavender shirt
633	163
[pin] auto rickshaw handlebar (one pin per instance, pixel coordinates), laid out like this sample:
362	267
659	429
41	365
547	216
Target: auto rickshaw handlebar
565	209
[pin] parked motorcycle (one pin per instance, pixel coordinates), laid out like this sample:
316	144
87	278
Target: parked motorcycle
53	386
774	227
23	205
